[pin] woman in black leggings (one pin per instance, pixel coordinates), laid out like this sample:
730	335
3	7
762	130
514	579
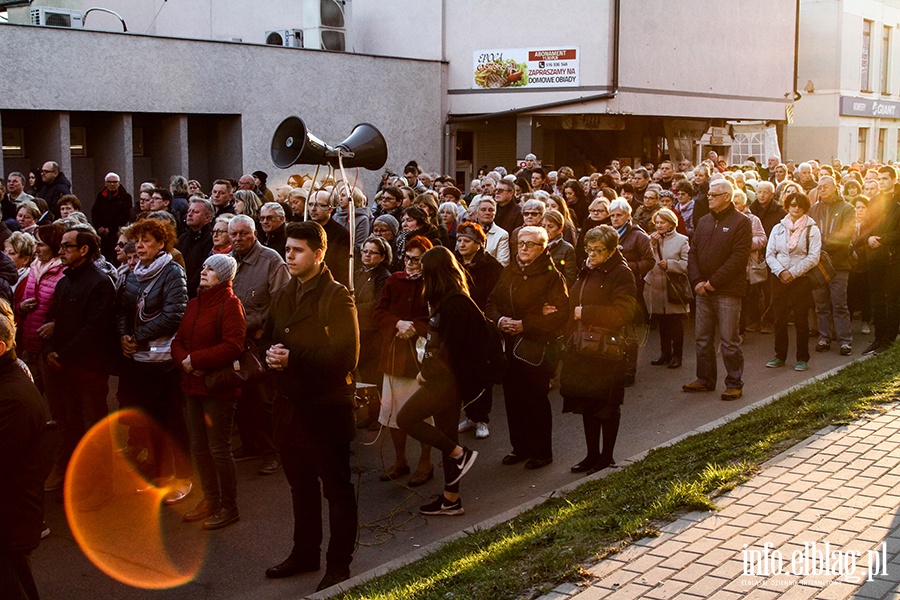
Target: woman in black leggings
446	378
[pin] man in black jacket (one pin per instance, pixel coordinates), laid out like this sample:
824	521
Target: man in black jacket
196	243
337	256
313	326
79	341
56	185
271	221
717	267
111	210
22	418
881	234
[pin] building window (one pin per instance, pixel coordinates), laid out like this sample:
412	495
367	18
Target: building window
864	82
882	138
747	145
13	142
863	139
886	61
78	141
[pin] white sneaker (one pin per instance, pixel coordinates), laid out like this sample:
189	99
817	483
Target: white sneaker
467	425
482	431
866	329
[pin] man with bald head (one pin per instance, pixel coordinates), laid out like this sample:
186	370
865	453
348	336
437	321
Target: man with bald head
56	185
111	210
837	222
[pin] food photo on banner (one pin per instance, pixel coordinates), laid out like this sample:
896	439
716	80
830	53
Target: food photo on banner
525	68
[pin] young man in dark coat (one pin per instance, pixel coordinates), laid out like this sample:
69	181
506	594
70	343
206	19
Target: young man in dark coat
22	418
315	346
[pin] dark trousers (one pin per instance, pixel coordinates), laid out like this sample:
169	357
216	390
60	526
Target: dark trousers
81	398
671	335
479	409
16	580
795	296
210	420
525	393
858	296
254	417
304	467
444	405
884	291
767	290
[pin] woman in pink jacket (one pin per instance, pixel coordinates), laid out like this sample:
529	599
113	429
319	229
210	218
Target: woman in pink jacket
31	310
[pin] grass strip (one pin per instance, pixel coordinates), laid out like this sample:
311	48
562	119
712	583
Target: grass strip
554	542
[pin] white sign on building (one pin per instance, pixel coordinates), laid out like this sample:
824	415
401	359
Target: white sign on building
525	68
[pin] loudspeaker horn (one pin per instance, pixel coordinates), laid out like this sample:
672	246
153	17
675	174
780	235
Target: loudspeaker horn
293	144
365	147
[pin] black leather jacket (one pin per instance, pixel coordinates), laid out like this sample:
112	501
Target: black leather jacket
164	305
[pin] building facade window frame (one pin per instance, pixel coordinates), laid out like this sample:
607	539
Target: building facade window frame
887	34
865	63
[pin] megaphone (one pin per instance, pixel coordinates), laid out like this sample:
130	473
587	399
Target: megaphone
365	147
292	144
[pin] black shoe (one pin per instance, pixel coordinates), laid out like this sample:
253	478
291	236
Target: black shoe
270	467
846	349
199	512
463	464
872	349
660	361
333	578
292	566
628	380
585	465
537	463
823	347
603	463
243	453
675	362
441	506
512	459
222	518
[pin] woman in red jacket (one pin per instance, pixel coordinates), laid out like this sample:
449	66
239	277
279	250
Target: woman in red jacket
211	337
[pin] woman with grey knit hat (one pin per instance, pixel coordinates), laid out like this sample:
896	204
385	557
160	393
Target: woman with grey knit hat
211	337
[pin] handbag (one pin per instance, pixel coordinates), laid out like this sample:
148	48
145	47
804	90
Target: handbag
529	352
678	288
246	367
824	271
158	350
757	272
598	344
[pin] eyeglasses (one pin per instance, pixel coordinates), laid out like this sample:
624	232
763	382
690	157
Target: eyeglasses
111	181
711	195
531	213
46	171
371	252
593	251
528	245
121	244
412	259
220	232
268	217
598	211
65	245
322	206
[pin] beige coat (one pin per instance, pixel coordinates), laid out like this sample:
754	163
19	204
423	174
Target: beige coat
673	248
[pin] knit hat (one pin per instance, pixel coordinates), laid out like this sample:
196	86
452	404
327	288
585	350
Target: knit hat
392	223
224	266
261	175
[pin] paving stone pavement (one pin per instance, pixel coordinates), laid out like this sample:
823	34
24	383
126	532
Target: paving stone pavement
821	520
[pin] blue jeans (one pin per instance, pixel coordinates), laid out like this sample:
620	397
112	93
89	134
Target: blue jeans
722	313
210	420
831	308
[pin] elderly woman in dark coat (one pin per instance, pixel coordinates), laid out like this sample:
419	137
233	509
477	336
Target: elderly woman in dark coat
369	280
530	306
604	298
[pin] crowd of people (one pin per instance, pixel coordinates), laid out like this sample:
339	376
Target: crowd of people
177	290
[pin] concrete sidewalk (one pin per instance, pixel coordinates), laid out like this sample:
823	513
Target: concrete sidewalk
840	487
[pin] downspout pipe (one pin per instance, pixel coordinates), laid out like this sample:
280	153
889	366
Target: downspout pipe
573	101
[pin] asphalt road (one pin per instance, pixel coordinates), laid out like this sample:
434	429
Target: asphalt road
236	557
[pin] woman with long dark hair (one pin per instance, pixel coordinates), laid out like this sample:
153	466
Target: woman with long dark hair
454	323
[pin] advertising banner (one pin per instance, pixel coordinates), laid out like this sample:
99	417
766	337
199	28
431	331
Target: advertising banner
525	68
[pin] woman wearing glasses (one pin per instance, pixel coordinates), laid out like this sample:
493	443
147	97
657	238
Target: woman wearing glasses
603	298
221	241
402	316
530	306
793	249
598	214
368	282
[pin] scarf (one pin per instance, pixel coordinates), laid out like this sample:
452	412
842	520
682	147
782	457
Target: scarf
623	228
154	268
42	268
795	229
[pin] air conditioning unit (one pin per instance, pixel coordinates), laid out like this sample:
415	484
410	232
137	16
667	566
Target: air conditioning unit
56	17
326	24
292	38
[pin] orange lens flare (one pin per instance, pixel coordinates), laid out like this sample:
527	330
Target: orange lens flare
132	537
